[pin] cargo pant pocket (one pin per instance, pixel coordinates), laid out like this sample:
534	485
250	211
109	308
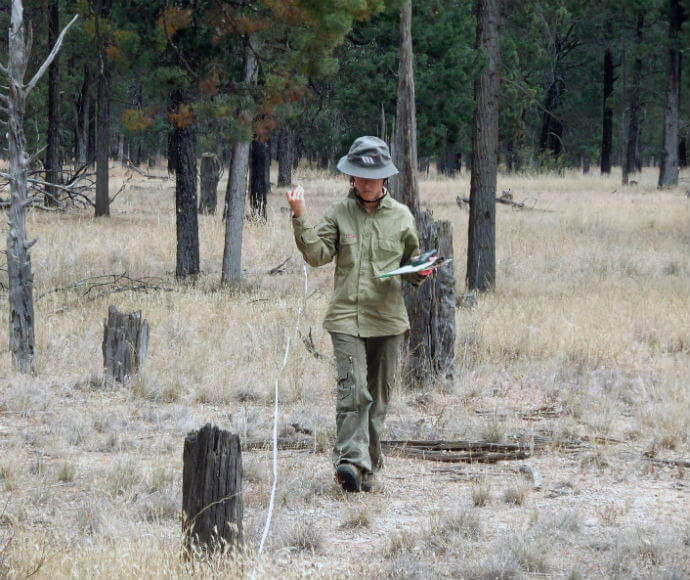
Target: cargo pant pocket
347	389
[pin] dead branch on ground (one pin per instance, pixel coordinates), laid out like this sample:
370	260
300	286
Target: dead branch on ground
131	165
506	198
97	286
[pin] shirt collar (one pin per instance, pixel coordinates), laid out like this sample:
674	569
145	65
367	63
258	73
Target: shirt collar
384	203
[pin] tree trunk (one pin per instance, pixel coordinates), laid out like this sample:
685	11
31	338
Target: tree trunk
125	343
52	161
237	188
550	138
431	309
91	144
668	173
182	160
481	253
212	505
404	186
21	310
632	149
103	137
285	156
210	176
449	161
607	125
82	120
257	182
682	154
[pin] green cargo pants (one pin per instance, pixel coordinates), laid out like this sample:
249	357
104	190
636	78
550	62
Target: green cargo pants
366	373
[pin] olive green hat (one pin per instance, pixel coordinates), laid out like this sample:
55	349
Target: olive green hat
368	157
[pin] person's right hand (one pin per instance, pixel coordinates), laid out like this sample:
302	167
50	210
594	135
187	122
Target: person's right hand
296	200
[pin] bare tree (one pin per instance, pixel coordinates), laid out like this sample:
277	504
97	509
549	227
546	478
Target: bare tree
632	150
21	311
481	248
237	187
103	115
404	185
668	169
52	153
431	309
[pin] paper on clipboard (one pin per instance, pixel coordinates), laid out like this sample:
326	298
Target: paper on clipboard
427	260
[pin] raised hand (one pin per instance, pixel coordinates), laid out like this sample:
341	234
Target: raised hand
296	200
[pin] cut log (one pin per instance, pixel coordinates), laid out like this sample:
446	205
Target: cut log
212	503
125	342
211	169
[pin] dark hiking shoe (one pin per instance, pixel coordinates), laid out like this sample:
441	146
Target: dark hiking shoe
348	477
368	481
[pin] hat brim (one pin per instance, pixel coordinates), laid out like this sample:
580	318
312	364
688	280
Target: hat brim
348	168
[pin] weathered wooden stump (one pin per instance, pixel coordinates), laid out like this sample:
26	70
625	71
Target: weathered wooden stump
211	490
211	168
431	309
125	341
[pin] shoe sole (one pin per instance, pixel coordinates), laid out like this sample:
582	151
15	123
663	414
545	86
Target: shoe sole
347	478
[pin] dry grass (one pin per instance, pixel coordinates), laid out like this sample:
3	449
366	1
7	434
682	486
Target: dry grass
590	317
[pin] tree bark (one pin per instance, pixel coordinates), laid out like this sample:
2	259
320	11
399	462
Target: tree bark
91	144
212	505
125	343
632	149
404	186
551	135
210	176
285	156
103	118
82	120
668	171
20	274
257	183
52	160
607	124
481	253
431	309
237	188
182	160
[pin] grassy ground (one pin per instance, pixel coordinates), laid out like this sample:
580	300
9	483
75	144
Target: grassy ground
590	319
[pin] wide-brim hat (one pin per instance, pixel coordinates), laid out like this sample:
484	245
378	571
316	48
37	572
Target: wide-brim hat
369	158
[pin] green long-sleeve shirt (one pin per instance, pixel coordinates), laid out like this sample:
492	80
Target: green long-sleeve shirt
364	245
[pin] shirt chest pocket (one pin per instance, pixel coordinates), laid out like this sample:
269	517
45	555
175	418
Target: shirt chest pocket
348	249
387	253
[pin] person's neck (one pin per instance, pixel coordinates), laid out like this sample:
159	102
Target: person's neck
370	204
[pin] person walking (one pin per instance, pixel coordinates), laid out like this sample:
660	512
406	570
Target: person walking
368	233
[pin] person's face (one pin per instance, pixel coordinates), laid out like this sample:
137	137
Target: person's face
368	189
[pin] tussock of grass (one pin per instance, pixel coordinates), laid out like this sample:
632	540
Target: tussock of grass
357	518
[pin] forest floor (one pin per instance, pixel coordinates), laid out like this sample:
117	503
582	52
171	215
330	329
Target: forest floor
584	345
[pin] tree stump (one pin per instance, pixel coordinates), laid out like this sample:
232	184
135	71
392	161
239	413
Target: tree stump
211	490
211	169
431	309
125	342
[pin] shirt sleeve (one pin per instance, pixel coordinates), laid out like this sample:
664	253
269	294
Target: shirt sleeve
316	244
411	242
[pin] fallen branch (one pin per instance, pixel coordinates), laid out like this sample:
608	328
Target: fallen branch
457	451
279	269
506	199
311	348
131	165
674	462
545	412
109	284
